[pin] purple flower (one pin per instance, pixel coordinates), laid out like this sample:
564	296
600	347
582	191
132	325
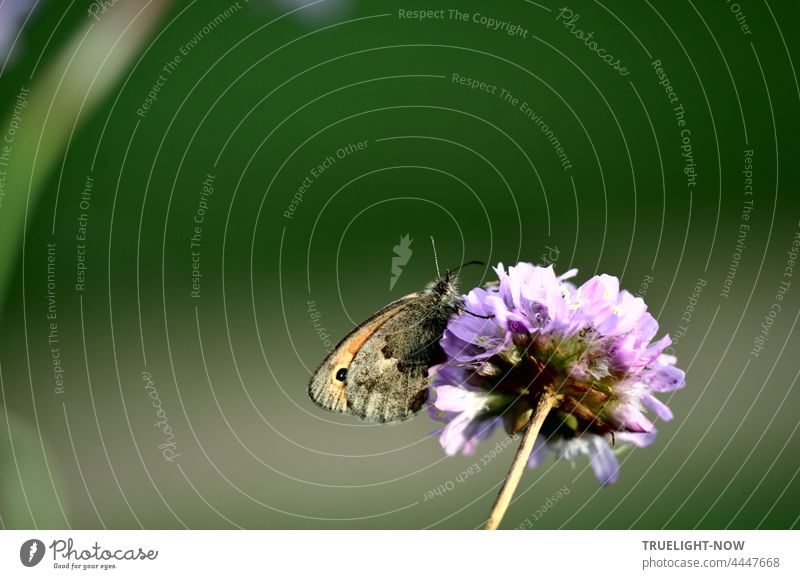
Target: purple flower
13	14
592	345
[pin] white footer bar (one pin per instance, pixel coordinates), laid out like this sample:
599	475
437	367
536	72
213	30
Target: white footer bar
353	554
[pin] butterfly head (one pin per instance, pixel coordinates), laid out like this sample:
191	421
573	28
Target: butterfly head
446	288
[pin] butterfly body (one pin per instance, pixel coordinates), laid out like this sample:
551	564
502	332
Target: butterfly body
379	371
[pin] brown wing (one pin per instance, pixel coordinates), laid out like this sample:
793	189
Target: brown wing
325	388
379	371
388	377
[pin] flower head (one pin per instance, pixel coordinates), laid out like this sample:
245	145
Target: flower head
13	15
591	346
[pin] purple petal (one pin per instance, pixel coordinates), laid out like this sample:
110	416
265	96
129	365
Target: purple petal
504	287
448	375
534	284
666	359
602	460
654	404
664	378
631	419
507	320
454	434
640	439
453	398
626	315
568	274
601	288
623	353
647	328
536	313
464	432
475	330
543	286
460	351
653	351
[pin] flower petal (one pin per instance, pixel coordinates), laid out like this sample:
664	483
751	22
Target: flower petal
639	439
602	460
664	378
454	434
631	419
460	351
484	334
654	404
568	274
447	375
454	399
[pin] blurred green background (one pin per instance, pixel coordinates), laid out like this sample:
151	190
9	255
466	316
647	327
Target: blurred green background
164	385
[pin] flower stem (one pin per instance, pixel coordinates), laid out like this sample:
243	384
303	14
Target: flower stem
546	403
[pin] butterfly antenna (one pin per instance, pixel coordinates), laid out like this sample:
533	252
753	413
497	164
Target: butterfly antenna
466	263
435	257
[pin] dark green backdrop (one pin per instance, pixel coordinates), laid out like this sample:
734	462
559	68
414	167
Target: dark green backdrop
252	109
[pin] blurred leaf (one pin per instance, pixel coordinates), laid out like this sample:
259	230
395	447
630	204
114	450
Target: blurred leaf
27	499
65	93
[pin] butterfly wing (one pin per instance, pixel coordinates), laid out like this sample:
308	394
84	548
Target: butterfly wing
325	388
380	370
388	379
